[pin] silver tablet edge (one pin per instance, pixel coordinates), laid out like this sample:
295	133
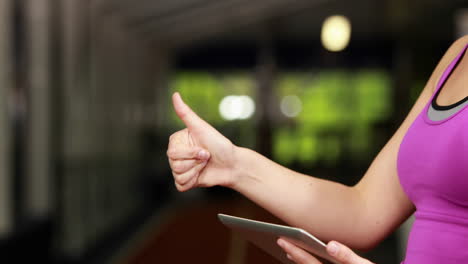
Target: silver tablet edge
227	219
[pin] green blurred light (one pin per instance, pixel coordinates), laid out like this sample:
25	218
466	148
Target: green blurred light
373	95
284	146
339	109
201	91
335	101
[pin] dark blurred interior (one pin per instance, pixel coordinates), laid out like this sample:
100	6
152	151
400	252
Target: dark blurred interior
85	113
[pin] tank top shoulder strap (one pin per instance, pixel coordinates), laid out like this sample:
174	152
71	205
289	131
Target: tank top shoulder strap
448	71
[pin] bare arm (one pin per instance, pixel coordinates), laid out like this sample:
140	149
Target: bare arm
359	216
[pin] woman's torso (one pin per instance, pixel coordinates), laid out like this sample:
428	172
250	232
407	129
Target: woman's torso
433	171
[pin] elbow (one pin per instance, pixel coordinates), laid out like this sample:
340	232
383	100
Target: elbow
365	246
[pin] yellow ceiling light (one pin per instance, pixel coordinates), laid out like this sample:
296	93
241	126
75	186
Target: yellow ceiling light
336	33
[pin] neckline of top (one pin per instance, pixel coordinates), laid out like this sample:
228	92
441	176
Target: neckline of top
443	79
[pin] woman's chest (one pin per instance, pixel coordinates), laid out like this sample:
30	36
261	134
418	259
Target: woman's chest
433	160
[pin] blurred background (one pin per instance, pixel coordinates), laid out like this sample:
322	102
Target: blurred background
85	113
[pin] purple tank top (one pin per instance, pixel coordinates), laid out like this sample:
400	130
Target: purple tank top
433	171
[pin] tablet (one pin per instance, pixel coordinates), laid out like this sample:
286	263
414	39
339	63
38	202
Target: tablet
264	235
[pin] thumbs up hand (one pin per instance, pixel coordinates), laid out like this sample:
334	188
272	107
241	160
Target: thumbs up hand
199	155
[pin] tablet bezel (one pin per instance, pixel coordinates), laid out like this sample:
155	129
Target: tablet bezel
264	235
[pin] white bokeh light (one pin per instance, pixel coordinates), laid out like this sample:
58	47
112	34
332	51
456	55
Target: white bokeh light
229	108
291	105
236	107
336	33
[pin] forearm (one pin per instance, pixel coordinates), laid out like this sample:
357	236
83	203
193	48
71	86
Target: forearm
327	209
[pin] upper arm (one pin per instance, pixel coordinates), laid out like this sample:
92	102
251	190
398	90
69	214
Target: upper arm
385	205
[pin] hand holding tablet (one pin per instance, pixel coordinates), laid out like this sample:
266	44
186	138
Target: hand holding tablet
264	235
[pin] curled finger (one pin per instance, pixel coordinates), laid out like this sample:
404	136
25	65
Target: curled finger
297	254
344	254
185	177
182	166
177	153
187	186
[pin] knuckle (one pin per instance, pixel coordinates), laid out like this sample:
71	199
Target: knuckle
181	133
178	187
175	136
170	152
182	187
172	140
193	151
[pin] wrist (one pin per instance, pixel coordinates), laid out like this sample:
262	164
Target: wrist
239	168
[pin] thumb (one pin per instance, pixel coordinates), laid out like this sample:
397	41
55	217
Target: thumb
344	255
183	111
